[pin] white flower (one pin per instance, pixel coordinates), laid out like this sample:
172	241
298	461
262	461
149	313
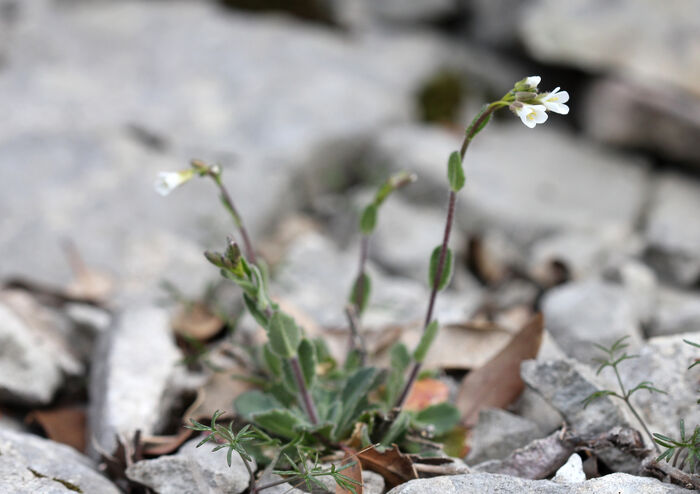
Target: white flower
533	81
168	181
555	100
531	115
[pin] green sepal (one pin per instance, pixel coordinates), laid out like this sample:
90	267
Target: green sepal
368	220
446	268
425	341
455	172
284	335
365	282
308	361
442	418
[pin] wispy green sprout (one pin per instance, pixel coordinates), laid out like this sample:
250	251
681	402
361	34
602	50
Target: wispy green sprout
687	449
614	356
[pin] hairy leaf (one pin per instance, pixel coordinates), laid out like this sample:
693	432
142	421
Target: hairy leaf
284	335
368	220
442	417
446	272
308	361
455	172
426	340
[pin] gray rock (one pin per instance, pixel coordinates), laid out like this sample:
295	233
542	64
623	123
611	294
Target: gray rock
676	312
639	283
192	471
414	11
664	361
30	464
565	384
672	234
581	314
486	483
131	376
532	406
35	357
372	483
498	433
573	186
585	254
617	111
624	37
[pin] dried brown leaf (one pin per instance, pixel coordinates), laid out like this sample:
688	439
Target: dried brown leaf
394	466
63	425
354	471
426	392
197	321
497	383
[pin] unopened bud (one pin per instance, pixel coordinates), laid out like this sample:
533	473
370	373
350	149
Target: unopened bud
233	252
516	105
215	258
402	179
525	95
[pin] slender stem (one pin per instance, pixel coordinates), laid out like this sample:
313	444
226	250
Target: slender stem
644	426
228	202
357	342
304	391
250	472
471	132
619	382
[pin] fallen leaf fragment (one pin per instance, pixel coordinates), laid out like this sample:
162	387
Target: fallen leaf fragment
354	471
394	466
497	383
197	321
425	393
63	425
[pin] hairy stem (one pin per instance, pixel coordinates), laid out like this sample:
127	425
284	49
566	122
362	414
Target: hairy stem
357	342
228	202
250	473
473	129
303	390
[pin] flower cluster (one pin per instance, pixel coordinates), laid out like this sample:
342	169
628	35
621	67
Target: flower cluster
531	106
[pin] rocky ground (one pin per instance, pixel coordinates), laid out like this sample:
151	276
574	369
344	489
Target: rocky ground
590	219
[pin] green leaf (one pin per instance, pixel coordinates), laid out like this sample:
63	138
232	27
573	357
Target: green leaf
442	417
251	402
272	361
279	422
360	292
308	361
473	128
368	220
353	361
400	358
455	172
252	307
425	341
354	394
284	335
398	428
446	268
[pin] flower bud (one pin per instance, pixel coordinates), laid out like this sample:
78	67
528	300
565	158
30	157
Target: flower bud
525	95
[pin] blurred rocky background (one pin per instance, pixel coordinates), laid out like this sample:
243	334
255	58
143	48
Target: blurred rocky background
592	218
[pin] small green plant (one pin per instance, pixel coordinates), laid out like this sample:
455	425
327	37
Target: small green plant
614	356
687	449
308	403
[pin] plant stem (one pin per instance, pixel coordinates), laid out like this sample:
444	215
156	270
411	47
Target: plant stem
473	129
356	340
228	202
250	472
644	426
303	390
273	484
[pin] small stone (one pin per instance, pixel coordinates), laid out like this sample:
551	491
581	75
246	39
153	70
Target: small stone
672	234
532	406
571	472
581	314
30	464
498	433
193	471
131	375
35	354
676	312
